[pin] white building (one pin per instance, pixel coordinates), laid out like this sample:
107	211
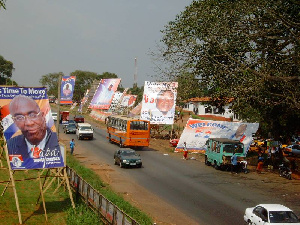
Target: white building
200	106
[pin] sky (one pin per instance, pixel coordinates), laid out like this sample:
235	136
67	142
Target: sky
43	36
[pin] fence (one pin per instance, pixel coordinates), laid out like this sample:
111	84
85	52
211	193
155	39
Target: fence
105	209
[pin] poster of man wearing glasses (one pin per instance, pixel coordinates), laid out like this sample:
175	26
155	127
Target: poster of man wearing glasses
29	129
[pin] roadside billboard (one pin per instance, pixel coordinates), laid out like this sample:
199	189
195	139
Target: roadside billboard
197	132
67	89
29	129
159	100
104	93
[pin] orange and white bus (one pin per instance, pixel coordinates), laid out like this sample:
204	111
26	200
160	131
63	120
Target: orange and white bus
128	132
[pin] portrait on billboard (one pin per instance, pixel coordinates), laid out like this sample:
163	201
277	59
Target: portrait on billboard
29	131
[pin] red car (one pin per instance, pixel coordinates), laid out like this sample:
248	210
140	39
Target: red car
79	119
174	142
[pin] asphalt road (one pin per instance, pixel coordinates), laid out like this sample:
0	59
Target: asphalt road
207	195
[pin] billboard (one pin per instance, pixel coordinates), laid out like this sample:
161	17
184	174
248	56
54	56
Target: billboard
67	89
158	104
197	132
29	129
104	93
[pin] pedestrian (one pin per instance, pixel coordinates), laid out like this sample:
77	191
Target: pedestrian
234	163
185	151
260	163
72	145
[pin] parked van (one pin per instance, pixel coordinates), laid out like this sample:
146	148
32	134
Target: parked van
220	150
84	130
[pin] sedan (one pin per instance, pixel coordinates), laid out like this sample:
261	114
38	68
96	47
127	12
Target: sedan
127	157
270	214
70	128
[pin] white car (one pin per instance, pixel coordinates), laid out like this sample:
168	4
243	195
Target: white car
270	214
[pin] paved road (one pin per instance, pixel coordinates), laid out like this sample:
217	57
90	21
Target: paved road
205	194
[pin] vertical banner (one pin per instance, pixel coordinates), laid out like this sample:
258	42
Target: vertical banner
29	129
158	104
83	100
104	93
67	89
197	132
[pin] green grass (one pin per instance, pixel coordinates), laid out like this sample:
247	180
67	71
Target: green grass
58	204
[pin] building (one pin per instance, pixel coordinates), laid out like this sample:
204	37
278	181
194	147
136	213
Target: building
200	106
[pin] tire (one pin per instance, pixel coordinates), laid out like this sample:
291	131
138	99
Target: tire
206	161
216	166
249	222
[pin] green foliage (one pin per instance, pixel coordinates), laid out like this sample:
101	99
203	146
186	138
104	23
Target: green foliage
246	49
2	4
6	69
50	81
139	91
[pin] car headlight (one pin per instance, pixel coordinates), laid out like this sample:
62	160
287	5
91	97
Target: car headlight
124	160
138	161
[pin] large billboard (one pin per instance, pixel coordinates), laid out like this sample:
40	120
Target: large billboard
158	104
197	132
104	93
67	89
29	129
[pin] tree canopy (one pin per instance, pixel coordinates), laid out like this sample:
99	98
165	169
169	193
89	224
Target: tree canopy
6	69
246	49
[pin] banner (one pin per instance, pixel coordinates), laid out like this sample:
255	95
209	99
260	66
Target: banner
104	93
29	129
197	132
83	100
158	104
128	100
67	89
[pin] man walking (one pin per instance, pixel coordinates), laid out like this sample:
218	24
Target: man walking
72	144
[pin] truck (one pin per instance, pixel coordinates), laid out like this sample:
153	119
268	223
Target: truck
219	151
84	130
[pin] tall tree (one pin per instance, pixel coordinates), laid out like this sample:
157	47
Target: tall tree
50	81
2	4
6	69
246	49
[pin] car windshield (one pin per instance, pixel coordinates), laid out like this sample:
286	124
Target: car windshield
72	126
283	217
85	128
128	153
54	114
229	148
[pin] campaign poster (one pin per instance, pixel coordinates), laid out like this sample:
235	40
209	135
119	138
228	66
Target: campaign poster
128	100
83	100
104	93
159	100
197	132
67	89
29	129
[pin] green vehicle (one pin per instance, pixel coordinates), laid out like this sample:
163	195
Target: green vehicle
220	150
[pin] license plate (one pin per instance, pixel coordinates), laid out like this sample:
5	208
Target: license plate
132	164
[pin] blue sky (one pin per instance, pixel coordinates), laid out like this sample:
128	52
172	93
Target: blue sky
43	36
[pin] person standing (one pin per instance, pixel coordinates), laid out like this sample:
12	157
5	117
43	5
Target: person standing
72	145
234	163
185	151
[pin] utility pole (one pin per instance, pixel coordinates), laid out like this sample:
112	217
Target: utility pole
135	73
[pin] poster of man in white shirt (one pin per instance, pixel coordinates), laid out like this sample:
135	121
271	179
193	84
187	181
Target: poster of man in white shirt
158	105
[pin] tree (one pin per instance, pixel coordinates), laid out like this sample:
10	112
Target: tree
2	4
247	49
6	69
50	81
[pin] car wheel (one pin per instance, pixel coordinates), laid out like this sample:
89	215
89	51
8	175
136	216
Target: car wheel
249	222
216	166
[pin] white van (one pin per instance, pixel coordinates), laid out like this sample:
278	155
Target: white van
84	130
54	116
